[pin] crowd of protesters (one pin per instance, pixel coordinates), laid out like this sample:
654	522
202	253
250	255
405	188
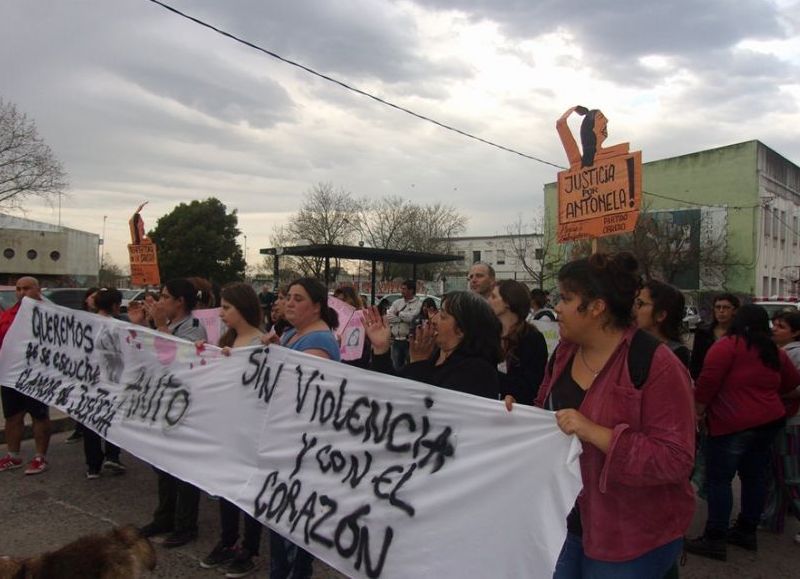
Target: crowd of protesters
660	423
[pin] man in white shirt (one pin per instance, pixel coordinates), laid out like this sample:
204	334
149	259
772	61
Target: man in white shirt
400	316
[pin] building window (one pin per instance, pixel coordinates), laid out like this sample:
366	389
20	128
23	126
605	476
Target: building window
783	226
463	255
781	288
765	286
476	256
767	222
8	253
538	254
773	286
775	224
794	230
501	257
32	254
55	255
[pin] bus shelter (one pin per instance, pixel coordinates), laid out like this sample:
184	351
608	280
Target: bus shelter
356	252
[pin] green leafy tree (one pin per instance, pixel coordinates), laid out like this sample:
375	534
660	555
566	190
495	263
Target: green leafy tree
199	239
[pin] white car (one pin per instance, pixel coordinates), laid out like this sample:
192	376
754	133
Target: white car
775	306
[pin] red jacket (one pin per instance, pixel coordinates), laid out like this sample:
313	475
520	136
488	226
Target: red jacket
636	497
6	319
740	392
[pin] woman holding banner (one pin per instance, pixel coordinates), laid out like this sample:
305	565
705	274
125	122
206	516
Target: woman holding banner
458	350
629	400
178	501
241	312
312	324
524	348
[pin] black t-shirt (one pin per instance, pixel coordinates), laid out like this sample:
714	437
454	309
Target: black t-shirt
566	393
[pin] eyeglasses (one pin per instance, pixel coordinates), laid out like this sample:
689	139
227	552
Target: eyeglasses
641	303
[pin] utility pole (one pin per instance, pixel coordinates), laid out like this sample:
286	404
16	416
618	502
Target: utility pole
103	243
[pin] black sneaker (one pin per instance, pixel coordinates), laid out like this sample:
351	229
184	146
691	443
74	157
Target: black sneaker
179	539
76	436
241	566
743	537
219	555
709	546
115	466
152	529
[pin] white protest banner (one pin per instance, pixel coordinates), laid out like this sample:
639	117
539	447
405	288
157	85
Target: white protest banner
376	475
350	332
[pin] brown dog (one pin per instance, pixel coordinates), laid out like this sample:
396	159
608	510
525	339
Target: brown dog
119	554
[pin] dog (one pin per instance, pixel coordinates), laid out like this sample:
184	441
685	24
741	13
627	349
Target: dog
119	554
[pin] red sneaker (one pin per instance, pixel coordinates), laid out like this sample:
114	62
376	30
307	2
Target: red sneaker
8	462
37	465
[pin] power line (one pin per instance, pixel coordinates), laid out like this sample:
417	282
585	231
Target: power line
351	88
685	202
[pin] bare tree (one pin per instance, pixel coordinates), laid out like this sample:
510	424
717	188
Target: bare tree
110	273
326	217
673	251
27	164
393	222
535	248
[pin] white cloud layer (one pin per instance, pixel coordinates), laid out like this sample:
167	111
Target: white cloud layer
143	105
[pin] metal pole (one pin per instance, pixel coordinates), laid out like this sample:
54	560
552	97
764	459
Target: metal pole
372	285
327	271
275	274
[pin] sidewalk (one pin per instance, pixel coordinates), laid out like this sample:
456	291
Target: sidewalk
58	420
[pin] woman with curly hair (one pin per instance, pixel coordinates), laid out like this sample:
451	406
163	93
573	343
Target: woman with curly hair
637	430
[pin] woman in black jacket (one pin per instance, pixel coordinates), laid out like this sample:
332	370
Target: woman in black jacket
524	348
459	350
725	306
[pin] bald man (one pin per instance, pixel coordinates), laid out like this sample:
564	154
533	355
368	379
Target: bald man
481	279
16	404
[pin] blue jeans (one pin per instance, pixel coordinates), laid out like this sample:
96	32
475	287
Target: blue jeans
748	453
574	564
399	354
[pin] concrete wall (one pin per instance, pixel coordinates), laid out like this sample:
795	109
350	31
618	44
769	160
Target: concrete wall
52	253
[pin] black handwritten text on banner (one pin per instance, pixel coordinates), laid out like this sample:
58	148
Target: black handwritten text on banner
376	475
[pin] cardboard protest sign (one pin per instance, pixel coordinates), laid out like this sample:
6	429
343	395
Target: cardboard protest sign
142	253
350	332
601	193
376	475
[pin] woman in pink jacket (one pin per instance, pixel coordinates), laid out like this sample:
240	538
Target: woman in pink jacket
738	394
637	431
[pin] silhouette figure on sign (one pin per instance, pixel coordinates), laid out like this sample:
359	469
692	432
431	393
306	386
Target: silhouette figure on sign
594	131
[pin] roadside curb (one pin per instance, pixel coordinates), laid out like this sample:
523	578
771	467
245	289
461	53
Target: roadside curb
60	424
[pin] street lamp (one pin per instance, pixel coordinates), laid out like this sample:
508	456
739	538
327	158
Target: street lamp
103	243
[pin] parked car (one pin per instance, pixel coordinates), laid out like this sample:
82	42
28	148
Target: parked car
8	296
70	297
775	306
691	318
128	296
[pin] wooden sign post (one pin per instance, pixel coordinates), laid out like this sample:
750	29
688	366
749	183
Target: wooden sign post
601	192
142	253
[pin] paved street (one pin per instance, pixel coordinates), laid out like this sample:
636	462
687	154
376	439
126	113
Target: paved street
43	512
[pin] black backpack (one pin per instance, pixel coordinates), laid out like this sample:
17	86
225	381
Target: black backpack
640	357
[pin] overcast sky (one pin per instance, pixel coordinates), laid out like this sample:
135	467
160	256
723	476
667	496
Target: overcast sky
142	105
